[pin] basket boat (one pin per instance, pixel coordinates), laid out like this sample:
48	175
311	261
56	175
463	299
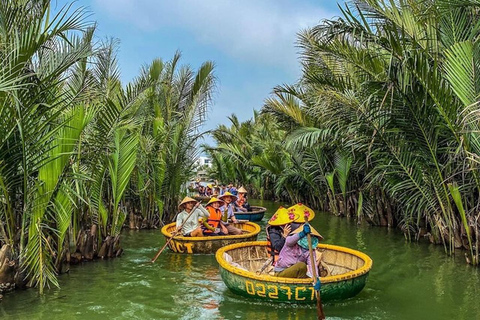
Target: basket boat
202	198
256	214
209	244
344	274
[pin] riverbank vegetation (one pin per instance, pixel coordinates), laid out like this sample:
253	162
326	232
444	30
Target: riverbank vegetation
79	150
383	124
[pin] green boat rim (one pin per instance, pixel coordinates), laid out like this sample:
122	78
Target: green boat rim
255	232
345	276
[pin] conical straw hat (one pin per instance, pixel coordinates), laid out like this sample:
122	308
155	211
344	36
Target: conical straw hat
302	211
281	217
313	231
228	194
186	200
213	199
242	190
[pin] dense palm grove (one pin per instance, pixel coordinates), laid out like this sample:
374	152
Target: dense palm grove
383	124
79	151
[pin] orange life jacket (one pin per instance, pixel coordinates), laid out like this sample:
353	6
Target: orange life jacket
214	218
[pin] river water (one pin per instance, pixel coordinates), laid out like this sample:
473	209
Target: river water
408	281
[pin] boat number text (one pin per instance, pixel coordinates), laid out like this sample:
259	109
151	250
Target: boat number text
271	291
181	247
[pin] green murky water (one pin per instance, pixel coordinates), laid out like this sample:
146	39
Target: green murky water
408	281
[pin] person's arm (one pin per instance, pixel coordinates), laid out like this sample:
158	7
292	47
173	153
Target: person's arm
203	212
239	207
231	215
293	239
180	218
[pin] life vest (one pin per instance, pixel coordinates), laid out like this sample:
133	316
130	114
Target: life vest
214	218
271	251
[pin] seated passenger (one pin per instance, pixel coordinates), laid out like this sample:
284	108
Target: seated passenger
242	194
294	258
213	226
278	228
209	190
239	205
229	200
191	227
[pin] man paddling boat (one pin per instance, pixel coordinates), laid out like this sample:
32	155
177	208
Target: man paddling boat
191	227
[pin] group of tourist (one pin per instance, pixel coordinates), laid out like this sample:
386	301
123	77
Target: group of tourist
214	189
195	220
287	241
287	229
210	190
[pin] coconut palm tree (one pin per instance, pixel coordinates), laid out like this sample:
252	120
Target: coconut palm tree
172	113
41	122
385	116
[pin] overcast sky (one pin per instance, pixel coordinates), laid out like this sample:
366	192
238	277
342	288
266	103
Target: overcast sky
251	42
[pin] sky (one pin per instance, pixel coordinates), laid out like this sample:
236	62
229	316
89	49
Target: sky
251	42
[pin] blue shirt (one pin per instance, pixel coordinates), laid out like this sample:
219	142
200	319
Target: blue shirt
229	209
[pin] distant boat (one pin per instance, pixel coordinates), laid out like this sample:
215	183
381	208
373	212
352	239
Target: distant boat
202	198
256	214
344	274
209	244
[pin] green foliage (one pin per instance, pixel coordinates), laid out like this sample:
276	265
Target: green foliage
387	103
77	148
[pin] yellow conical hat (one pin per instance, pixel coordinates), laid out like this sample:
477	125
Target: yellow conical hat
282	216
186	200
228	194
313	231
302	211
213	199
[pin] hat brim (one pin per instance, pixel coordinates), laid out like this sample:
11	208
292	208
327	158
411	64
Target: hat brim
242	190
312	229
219	201
228	195
281	221
181	205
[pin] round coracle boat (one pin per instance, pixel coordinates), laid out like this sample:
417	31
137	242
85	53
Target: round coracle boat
202	198
343	272
256	214
209	244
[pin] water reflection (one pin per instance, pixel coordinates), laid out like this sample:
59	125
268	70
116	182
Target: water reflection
408	281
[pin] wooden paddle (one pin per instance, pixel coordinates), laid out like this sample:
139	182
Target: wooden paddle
174	233
265	265
313	266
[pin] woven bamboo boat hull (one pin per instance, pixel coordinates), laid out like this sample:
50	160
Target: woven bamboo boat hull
211	244
202	198
255	215
347	273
